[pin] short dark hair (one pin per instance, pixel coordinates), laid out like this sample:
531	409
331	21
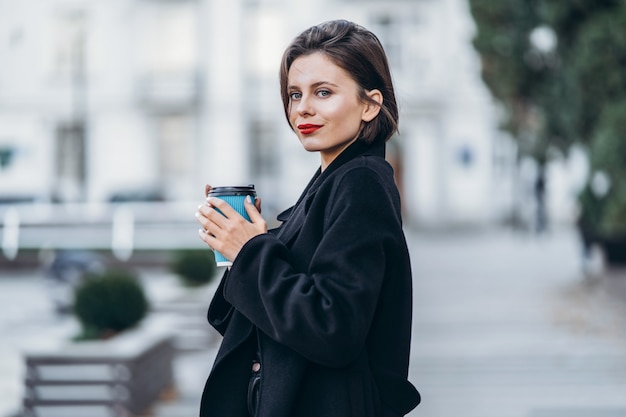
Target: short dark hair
358	52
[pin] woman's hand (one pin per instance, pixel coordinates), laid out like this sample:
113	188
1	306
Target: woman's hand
228	233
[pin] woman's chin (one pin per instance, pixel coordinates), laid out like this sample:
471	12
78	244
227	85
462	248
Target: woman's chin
309	146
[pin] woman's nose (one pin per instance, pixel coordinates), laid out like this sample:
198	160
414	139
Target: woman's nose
304	106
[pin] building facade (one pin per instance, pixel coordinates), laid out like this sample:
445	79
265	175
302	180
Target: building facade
151	99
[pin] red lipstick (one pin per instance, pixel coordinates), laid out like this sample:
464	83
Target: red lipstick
307	129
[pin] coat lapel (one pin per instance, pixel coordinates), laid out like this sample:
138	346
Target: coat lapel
221	315
292	217
239	330
289	230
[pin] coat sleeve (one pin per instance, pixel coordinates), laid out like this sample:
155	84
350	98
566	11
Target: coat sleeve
323	313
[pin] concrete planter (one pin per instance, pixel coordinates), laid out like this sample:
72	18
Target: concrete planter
119	377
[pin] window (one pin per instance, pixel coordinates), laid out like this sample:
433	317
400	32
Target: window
388	31
70	162
168	37
175	135
263	149
409	41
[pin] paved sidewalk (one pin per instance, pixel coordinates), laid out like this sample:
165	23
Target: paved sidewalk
506	325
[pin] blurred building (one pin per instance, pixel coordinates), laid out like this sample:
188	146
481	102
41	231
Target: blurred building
151	99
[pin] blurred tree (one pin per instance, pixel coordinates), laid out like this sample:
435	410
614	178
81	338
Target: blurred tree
542	61
593	46
558	70
592	50
518	65
608	156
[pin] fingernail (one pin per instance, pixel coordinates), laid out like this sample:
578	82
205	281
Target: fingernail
197	214
249	199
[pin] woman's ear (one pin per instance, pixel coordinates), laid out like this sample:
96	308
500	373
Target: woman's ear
371	110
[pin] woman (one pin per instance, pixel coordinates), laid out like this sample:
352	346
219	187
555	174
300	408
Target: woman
316	315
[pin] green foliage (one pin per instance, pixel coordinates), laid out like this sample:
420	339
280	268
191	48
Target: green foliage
608	154
597	65
568	17
573	94
502	40
524	79
194	267
109	303
608	148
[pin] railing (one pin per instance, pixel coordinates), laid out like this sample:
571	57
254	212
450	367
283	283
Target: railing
120	227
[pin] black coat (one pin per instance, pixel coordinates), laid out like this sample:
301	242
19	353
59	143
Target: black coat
325	298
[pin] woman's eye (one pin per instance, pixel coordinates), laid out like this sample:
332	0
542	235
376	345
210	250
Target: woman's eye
295	96
323	93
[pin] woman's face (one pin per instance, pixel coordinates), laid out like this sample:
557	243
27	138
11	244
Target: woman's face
325	110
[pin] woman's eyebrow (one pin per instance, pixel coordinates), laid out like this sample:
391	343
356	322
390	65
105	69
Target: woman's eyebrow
314	85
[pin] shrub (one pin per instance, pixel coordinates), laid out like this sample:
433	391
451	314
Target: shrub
194	267
109	302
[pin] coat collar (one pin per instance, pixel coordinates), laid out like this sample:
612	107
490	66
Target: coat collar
357	149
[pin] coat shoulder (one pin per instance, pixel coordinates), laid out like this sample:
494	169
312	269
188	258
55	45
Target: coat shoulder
365	175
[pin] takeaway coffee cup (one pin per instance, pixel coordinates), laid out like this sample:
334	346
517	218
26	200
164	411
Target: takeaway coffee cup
235	197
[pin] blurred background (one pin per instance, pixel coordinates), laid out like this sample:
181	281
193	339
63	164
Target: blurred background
510	160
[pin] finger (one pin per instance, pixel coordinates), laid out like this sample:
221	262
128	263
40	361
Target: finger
225	209
201	218
257	204
252	210
210	218
207	190
203	210
207	238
